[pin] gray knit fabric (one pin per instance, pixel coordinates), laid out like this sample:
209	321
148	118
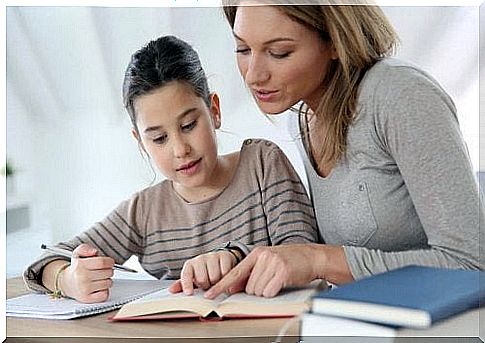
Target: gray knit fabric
405	193
265	204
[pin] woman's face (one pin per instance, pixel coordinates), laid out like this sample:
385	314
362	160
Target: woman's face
281	60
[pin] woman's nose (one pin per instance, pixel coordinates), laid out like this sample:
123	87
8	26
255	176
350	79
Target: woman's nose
257	72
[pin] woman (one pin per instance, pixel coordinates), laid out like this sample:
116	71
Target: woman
388	170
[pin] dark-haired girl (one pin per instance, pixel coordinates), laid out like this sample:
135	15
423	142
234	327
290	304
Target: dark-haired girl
209	212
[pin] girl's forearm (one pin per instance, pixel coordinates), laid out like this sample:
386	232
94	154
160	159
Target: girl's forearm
49	273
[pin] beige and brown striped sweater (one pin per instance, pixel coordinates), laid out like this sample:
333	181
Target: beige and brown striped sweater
265	204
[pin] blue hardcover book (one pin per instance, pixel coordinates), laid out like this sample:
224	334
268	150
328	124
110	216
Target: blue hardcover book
411	296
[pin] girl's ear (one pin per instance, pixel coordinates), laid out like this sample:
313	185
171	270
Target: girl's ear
135	135
215	110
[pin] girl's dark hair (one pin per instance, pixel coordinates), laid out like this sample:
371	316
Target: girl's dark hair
160	62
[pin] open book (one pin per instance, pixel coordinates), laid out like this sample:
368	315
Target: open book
165	305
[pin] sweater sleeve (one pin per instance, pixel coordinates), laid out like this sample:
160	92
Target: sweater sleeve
117	236
420	130
288	211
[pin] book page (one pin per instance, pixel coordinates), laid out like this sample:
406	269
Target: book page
291	294
288	302
165	302
287	296
198	297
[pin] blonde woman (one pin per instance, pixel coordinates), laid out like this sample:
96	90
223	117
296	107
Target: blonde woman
389	173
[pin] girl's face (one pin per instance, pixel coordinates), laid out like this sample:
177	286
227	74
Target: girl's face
177	130
281	60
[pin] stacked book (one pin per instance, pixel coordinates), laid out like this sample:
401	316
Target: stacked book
410	297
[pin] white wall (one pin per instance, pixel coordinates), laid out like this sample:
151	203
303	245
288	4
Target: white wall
76	166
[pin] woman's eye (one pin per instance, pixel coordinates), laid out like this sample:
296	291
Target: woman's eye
243	51
160	140
189	126
279	55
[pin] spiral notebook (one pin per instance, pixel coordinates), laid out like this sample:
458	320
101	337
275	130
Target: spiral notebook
43	306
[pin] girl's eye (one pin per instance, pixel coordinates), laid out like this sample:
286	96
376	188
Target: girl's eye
160	140
189	126
279	55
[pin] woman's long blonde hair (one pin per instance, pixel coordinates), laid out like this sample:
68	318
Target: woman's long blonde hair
361	35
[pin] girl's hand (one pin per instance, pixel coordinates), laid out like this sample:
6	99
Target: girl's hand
203	271
88	278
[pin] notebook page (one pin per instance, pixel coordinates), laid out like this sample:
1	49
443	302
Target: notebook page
44	306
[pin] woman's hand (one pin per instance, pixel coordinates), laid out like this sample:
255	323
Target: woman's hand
203	271
88	278
267	270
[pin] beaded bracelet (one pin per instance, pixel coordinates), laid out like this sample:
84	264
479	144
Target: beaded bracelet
57	290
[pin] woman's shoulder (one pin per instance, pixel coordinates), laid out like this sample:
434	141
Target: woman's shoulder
393	75
395	65
393	82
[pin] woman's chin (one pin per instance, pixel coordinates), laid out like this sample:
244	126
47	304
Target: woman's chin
271	109
274	108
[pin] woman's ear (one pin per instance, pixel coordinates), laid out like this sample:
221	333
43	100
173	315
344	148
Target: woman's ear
333	52
215	110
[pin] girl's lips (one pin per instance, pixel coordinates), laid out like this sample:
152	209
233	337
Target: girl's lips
190	168
265	95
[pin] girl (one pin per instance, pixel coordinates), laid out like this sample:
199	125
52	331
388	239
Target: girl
389	172
231	202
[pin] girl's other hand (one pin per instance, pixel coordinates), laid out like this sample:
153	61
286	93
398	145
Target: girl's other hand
88	278
203	271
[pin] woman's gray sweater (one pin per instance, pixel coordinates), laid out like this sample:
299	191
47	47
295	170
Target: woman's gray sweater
405	192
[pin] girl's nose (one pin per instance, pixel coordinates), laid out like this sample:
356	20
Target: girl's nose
181	148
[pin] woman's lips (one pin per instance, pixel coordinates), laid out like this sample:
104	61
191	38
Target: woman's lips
265	95
190	168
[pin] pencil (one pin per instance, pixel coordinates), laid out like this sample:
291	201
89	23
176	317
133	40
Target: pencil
67	253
